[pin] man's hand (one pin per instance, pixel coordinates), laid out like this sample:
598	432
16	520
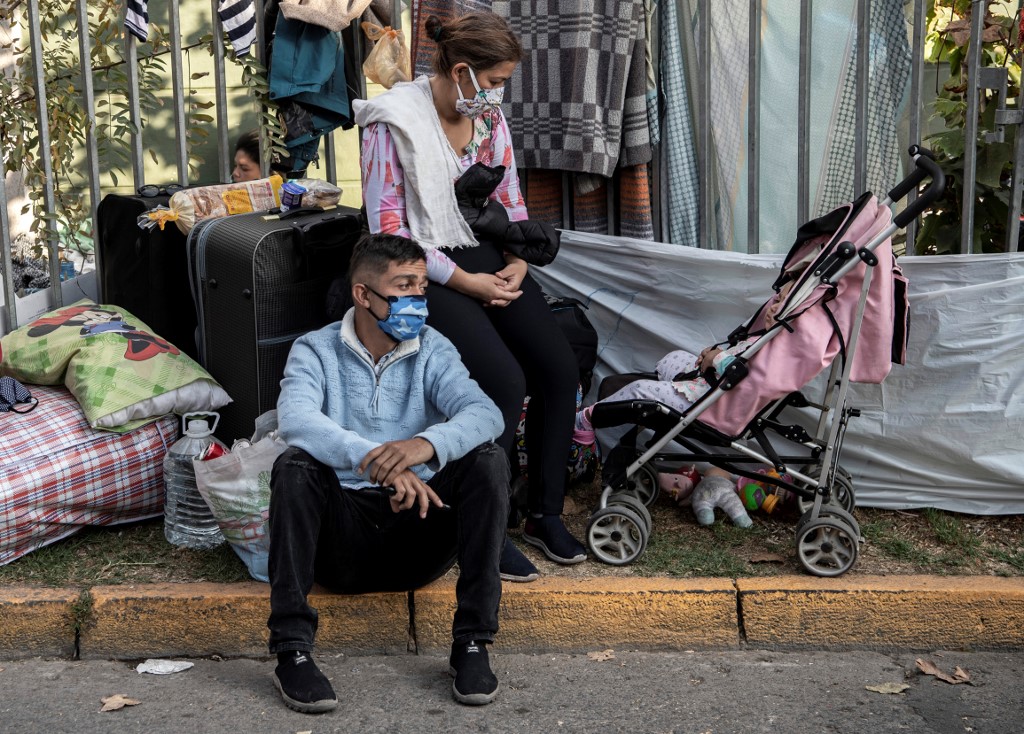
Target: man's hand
411	490
389	460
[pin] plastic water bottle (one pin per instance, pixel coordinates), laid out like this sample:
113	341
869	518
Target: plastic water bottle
188	521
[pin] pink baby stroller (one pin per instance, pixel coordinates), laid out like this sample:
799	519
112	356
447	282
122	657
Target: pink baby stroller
848	300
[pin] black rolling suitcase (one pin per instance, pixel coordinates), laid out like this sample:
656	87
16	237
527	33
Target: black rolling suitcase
145	272
260	281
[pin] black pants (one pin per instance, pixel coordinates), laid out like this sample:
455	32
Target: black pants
512	352
351	542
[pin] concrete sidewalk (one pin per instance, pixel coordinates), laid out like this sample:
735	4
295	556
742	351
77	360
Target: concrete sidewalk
552	614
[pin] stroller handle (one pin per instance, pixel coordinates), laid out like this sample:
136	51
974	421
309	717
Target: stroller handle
924	166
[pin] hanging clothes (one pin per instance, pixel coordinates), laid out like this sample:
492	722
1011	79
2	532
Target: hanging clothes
889	61
308	83
681	194
590	116
238	17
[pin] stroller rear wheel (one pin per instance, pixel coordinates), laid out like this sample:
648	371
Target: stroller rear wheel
617	535
827	546
643	484
628	500
843	494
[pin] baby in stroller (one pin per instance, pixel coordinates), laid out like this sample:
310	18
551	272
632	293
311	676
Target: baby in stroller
683	376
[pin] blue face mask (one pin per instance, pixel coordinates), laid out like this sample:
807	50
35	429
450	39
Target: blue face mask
405	318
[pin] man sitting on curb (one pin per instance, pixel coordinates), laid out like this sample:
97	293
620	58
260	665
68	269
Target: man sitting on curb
382	405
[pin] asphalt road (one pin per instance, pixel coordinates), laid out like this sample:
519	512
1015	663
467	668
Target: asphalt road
716	692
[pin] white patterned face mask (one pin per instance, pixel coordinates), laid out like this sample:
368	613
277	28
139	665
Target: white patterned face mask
483	101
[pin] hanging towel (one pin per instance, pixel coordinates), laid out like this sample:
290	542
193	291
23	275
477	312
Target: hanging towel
136	19
428	161
578	101
239	20
334	15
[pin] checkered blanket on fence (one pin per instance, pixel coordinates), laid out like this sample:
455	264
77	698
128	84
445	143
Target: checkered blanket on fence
578	101
60	475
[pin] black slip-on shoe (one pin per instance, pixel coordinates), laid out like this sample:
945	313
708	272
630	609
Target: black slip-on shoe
303	687
474	684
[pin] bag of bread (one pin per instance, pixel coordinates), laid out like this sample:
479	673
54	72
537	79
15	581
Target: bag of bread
189	206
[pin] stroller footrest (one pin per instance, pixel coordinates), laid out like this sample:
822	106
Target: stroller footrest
648	413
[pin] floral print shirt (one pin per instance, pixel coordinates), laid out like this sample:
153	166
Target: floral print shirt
384	182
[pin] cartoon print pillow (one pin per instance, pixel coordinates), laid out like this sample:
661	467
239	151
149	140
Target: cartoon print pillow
121	373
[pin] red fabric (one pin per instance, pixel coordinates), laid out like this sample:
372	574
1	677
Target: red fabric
59	475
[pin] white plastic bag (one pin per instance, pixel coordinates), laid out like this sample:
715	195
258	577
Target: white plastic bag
388	62
236	486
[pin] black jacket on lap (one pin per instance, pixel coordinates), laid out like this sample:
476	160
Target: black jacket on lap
534	241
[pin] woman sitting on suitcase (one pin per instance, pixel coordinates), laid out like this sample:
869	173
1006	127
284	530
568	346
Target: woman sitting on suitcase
419	138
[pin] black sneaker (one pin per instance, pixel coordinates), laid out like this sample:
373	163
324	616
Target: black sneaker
474	683
549	534
303	687
514	566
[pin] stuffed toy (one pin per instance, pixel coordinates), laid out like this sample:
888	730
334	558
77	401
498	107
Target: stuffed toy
716	489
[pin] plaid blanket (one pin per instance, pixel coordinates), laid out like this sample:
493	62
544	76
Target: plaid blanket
578	102
60	475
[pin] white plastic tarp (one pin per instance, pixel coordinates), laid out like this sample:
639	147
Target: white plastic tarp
943	431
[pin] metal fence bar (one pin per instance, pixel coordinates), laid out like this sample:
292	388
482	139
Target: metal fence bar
10	320
178	91
329	152
91	151
971	128
860	177
704	124
803	115
568	216
916	82
220	96
754	127
49	201
396	14
134	109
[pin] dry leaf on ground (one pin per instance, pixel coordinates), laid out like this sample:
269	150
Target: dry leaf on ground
767	558
602	656
117	701
888	688
928	668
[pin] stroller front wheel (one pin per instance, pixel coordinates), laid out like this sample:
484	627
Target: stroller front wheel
827	546
617	535
843	494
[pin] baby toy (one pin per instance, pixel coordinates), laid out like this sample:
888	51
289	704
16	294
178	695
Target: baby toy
760	495
714	490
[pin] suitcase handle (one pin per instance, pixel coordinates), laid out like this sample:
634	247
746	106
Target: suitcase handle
322	235
299	211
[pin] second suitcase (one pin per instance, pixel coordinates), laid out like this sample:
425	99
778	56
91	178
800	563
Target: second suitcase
260	282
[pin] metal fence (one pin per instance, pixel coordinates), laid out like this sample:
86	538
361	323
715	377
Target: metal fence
979	78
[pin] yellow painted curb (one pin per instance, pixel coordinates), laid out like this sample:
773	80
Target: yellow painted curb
883	612
35	621
577	615
162	620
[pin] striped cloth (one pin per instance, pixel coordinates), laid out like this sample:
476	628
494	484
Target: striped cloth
239	20
682	173
136	19
60	475
238	17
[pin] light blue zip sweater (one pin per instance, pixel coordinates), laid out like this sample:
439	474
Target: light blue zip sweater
336	405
